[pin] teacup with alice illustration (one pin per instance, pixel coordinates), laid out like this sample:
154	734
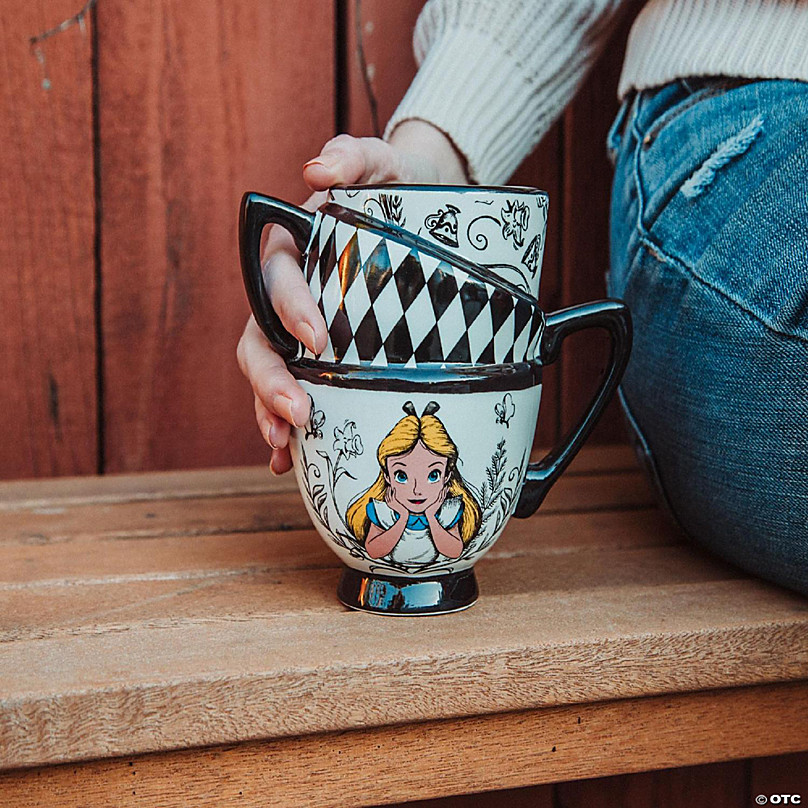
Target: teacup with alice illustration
419	507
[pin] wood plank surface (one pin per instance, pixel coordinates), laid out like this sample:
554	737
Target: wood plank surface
198	103
244	480
74	605
221	678
47	266
391	764
277	509
208	615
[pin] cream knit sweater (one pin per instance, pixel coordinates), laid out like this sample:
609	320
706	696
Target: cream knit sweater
495	74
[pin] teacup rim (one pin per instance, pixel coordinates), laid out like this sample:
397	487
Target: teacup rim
436	377
522	190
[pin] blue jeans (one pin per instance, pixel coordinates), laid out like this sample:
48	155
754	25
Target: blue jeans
709	248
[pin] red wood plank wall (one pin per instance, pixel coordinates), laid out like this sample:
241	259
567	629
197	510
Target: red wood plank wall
197	103
130	139
733	784
48	347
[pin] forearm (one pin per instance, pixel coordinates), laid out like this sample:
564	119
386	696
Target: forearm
446	542
380	542
495	74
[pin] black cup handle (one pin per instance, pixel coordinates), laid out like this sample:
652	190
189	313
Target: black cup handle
614	316
255	214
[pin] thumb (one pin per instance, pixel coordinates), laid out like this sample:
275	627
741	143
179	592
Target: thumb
347	160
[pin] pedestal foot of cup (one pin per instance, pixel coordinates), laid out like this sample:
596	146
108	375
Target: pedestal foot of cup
408	596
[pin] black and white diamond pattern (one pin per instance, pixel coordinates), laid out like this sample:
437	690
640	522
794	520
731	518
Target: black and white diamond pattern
385	303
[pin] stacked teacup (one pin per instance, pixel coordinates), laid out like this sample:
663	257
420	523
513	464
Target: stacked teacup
425	400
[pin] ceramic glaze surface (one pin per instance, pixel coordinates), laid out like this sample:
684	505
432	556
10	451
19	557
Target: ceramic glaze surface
424	403
386	301
452	464
502	229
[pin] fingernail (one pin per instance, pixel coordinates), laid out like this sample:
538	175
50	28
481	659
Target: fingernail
300	413
270	436
282	405
307	335
290	410
272	468
323	160
266	432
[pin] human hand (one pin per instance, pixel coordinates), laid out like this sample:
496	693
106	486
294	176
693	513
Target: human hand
395	505
432	510
416	152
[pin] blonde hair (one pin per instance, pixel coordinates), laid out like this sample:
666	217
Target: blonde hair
402	438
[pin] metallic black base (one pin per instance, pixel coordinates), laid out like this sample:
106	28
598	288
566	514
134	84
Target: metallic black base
407	596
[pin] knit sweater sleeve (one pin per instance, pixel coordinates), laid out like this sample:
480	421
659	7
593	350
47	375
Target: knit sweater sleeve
495	74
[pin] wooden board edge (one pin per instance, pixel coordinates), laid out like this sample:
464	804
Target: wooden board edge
440	758
39	729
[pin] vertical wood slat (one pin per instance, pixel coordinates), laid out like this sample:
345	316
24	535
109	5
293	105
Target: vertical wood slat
47	266
719	785
387	45
198	103
585	230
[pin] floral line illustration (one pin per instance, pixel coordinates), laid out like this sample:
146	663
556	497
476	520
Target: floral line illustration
515	219
499	494
505	410
391	208
315	422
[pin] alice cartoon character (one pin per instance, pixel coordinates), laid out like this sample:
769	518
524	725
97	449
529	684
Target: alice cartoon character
419	508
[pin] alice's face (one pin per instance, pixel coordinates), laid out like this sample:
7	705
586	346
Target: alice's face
416	478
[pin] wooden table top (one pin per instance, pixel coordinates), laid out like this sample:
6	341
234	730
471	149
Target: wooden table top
165	611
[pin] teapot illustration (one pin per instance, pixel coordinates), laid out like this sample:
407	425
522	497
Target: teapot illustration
443	225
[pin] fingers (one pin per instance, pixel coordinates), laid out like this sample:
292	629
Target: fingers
347	160
275	432
276	389
274	429
290	296
281	461
279	399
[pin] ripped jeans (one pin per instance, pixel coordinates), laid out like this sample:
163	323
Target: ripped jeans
709	248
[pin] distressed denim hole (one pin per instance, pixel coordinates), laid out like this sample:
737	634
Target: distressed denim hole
725	152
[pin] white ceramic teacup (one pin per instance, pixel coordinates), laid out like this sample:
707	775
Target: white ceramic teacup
497	227
411	476
415	454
